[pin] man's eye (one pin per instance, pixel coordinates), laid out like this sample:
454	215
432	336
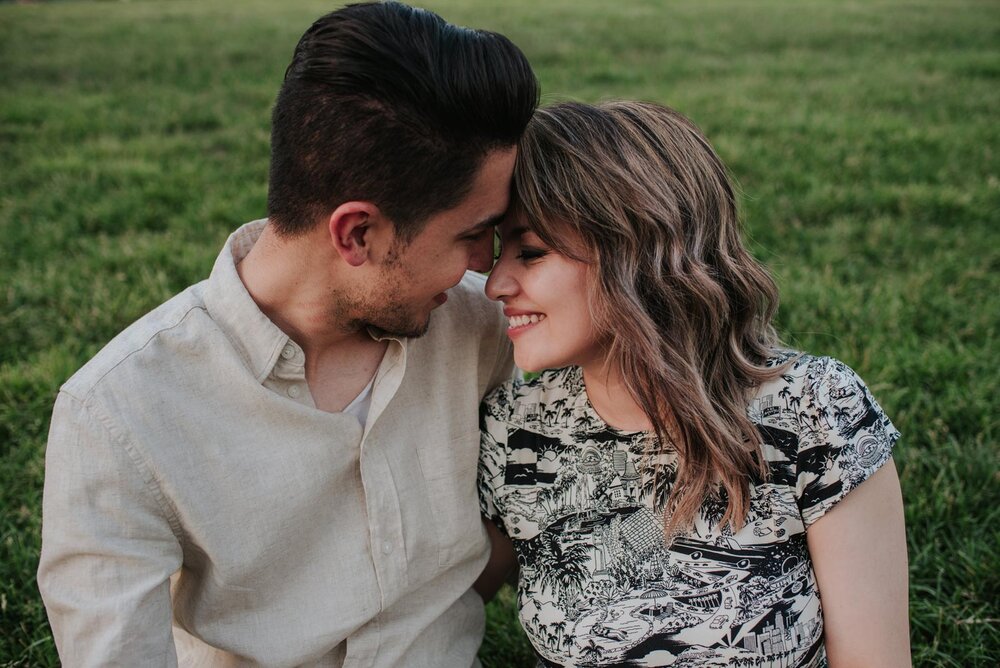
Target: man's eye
478	236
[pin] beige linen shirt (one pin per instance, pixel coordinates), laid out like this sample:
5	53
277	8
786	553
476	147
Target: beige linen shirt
190	447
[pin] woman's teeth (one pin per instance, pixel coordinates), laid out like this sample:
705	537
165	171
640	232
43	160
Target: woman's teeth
523	320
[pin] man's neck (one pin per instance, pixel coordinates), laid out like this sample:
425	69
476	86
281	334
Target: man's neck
291	283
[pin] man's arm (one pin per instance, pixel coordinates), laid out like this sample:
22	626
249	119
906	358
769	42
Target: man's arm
503	366
502	563
107	547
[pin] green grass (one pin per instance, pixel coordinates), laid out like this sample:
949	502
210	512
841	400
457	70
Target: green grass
134	136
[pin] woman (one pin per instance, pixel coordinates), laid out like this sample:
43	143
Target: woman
676	488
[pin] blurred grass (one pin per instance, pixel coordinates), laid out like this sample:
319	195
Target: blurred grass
134	137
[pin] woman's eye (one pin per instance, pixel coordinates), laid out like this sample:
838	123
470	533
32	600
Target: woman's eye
528	253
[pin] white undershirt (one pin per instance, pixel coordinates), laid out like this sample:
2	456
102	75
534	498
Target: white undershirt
359	407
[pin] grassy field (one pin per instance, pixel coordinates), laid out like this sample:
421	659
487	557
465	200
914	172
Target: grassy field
134	137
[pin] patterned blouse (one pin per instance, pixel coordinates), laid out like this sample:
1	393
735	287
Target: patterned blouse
597	583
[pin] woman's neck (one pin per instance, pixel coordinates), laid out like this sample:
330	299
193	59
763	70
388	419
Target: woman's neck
611	398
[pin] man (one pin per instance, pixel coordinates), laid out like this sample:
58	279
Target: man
277	466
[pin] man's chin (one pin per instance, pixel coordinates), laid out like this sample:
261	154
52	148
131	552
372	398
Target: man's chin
405	330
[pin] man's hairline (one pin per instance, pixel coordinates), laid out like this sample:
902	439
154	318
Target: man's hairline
418	227
492	220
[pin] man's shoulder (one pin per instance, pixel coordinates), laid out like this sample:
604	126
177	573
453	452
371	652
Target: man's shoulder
140	345
470	294
468	309
467	337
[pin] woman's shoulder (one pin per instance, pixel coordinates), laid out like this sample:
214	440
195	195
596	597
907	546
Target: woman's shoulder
822	429
809	378
815	400
520	396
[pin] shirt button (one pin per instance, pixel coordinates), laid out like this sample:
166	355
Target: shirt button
294	391
288	352
386	547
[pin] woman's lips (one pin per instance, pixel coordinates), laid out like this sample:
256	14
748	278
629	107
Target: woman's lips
523	321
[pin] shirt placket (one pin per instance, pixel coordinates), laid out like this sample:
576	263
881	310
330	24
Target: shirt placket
288	376
382	503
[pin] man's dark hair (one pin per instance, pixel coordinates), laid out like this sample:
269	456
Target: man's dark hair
387	103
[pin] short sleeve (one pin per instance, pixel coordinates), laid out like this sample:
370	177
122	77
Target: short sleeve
493	452
844	436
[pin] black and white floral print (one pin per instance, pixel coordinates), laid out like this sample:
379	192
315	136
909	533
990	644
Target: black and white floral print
598	585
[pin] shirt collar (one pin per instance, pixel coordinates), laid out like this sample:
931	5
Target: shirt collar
258	340
379	335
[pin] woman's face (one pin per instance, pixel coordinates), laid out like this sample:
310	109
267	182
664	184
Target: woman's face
545	299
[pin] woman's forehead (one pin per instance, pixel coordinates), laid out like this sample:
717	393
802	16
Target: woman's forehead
513	226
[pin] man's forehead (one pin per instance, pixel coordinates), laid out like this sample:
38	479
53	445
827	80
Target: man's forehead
485	224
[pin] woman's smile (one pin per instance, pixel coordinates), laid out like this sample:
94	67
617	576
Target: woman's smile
519	322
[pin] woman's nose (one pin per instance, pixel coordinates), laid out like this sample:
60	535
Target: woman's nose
501	283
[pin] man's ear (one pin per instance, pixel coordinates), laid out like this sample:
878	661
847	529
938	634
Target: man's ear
351	227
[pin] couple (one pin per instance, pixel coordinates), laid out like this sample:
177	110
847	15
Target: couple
278	466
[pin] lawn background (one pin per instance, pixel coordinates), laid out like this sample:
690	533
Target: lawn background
134	137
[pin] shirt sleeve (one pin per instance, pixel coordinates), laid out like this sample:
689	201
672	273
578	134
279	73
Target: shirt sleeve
492	453
503	368
108	549
845	437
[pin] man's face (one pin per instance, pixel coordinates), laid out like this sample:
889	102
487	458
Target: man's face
414	277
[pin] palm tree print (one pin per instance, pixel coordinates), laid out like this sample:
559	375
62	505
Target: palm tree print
783	393
561	569
656	485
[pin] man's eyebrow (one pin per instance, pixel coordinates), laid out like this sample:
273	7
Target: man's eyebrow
492	221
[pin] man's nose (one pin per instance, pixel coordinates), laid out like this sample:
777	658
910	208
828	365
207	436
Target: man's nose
481	257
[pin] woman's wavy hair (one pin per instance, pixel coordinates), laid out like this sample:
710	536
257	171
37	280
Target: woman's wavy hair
636	191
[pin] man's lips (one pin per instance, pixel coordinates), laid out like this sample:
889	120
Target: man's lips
440	298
